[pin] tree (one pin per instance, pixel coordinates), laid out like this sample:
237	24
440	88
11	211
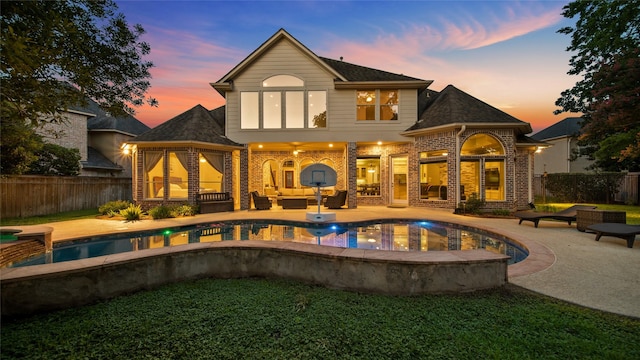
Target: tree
18	147
56	160
57	54
605	42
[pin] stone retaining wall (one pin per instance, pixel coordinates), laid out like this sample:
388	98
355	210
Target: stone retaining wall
41	288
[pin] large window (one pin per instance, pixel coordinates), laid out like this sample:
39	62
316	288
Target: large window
368	179
376	105
281	107
211	171
482	167
178	175
153	174
433	175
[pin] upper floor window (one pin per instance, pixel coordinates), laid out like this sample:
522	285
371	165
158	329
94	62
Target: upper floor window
282	81
376	105
283	109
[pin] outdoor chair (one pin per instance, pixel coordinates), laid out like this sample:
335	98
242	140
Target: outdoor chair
568	215
622	231
337	200
260	202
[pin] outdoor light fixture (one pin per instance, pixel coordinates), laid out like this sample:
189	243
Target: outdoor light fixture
126	149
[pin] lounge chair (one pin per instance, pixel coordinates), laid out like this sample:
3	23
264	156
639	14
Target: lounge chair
260	202
337	200
568	215
622	231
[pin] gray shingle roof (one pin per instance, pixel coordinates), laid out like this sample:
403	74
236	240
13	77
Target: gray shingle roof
95	160
195	125
567	127
353	72
103	121
454	106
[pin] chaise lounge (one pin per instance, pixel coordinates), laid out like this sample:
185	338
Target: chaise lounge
568	215
622	231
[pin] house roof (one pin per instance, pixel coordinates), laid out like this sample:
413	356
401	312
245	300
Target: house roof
346	75
567	127
356	73
453	106
194	125
102	121
95	160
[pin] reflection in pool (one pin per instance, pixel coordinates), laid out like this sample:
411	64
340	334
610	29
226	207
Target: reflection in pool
391	234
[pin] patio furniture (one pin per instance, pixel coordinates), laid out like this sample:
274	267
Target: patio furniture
568	215
260	202
622	231
586	217
213	202
294	202
337	200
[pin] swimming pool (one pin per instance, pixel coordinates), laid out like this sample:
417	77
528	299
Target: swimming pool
389	234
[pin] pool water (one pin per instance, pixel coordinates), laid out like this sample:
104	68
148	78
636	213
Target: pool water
390	235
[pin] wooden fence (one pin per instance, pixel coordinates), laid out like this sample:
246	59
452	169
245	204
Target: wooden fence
26	195
628	193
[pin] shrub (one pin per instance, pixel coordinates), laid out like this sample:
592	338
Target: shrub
133	212
161	212
501	212
185	210
474	204
113	207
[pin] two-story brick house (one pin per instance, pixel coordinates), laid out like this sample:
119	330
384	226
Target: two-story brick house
391	140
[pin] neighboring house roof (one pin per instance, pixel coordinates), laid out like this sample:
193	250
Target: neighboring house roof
195	125
568	127
95	160
454	106
103	121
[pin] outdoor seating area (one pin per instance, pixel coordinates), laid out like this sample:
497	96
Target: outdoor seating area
213	202
569	215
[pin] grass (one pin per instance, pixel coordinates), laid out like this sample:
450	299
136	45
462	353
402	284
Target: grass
279	319
633	211
44	219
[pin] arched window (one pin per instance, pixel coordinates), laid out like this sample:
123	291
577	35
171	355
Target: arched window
282	81
482	167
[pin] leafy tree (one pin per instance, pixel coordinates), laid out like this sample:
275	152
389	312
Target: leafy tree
605	42
55	54
56	160
18	147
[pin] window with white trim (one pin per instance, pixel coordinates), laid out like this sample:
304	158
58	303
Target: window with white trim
376	105
280	106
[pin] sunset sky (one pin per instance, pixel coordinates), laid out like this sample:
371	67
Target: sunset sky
506	53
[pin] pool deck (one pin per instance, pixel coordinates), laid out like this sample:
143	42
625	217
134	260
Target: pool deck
564	263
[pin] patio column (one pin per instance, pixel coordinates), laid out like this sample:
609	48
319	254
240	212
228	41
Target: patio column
245	202
352	186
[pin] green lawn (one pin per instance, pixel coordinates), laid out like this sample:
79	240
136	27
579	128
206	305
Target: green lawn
278	319
633	211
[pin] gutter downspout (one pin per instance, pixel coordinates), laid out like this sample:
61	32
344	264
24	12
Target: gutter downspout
569	154
457	189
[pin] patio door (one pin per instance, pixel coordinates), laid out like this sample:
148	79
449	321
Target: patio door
399	187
